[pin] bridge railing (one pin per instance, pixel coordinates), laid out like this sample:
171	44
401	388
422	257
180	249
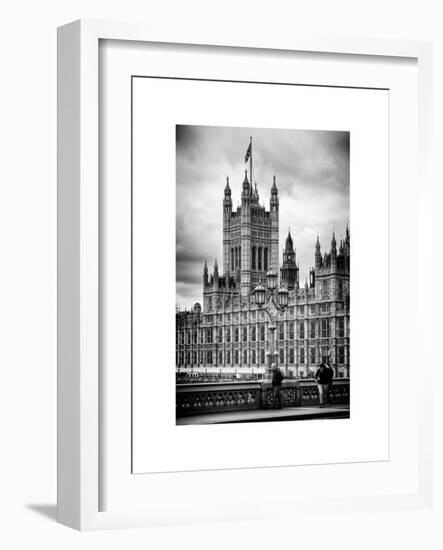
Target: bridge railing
198	398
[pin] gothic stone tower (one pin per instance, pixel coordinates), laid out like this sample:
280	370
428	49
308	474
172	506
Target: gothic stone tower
250	237
289	269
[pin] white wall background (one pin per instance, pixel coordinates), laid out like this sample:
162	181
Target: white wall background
28	264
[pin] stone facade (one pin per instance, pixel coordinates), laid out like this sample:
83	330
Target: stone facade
230	333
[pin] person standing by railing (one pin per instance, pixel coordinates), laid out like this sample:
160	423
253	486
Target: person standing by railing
277	379
323	378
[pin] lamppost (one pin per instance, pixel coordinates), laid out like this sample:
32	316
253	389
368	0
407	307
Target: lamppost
276	302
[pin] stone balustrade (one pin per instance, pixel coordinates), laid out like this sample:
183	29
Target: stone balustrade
231	396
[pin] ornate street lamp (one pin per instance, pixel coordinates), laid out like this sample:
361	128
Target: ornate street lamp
283	296
271	279
277	302
260	294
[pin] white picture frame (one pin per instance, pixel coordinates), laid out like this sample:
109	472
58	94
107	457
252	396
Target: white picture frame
79	368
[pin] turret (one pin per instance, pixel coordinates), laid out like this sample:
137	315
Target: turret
274	216
333	252
245	236
289	270
205	275
227	213
317	254
216	273
245	186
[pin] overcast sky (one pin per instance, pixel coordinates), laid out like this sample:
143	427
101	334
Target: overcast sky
312	174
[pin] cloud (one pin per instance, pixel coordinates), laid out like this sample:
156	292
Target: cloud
312	171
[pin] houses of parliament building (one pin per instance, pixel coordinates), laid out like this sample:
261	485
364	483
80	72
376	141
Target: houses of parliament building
229	333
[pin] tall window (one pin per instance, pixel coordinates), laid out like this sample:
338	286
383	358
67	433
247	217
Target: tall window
262	356
253	357
236	357
312	355
301	330
259	258
209	336
281	331
324	354
340	289
291	355
239	257
220	357
340	327
253	334
262	332
253	257
282	355
236	334
228	357
209	358
302	355
245	357
291	330
220	334
228	334
311	329
325	328
341	355
232	260
265	259
245	334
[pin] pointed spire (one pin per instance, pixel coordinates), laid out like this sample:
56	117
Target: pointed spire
289	246
205	269
227	188
317	244
246	182
274	190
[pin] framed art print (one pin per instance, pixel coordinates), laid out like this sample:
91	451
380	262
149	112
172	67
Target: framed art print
232	273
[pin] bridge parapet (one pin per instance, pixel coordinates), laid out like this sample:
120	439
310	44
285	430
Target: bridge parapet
231	396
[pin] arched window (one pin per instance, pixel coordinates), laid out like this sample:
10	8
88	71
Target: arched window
259	258
265	259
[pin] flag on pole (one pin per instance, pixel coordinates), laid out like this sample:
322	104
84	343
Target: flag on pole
248	152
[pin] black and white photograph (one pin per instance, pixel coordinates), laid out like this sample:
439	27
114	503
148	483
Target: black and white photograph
262	274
